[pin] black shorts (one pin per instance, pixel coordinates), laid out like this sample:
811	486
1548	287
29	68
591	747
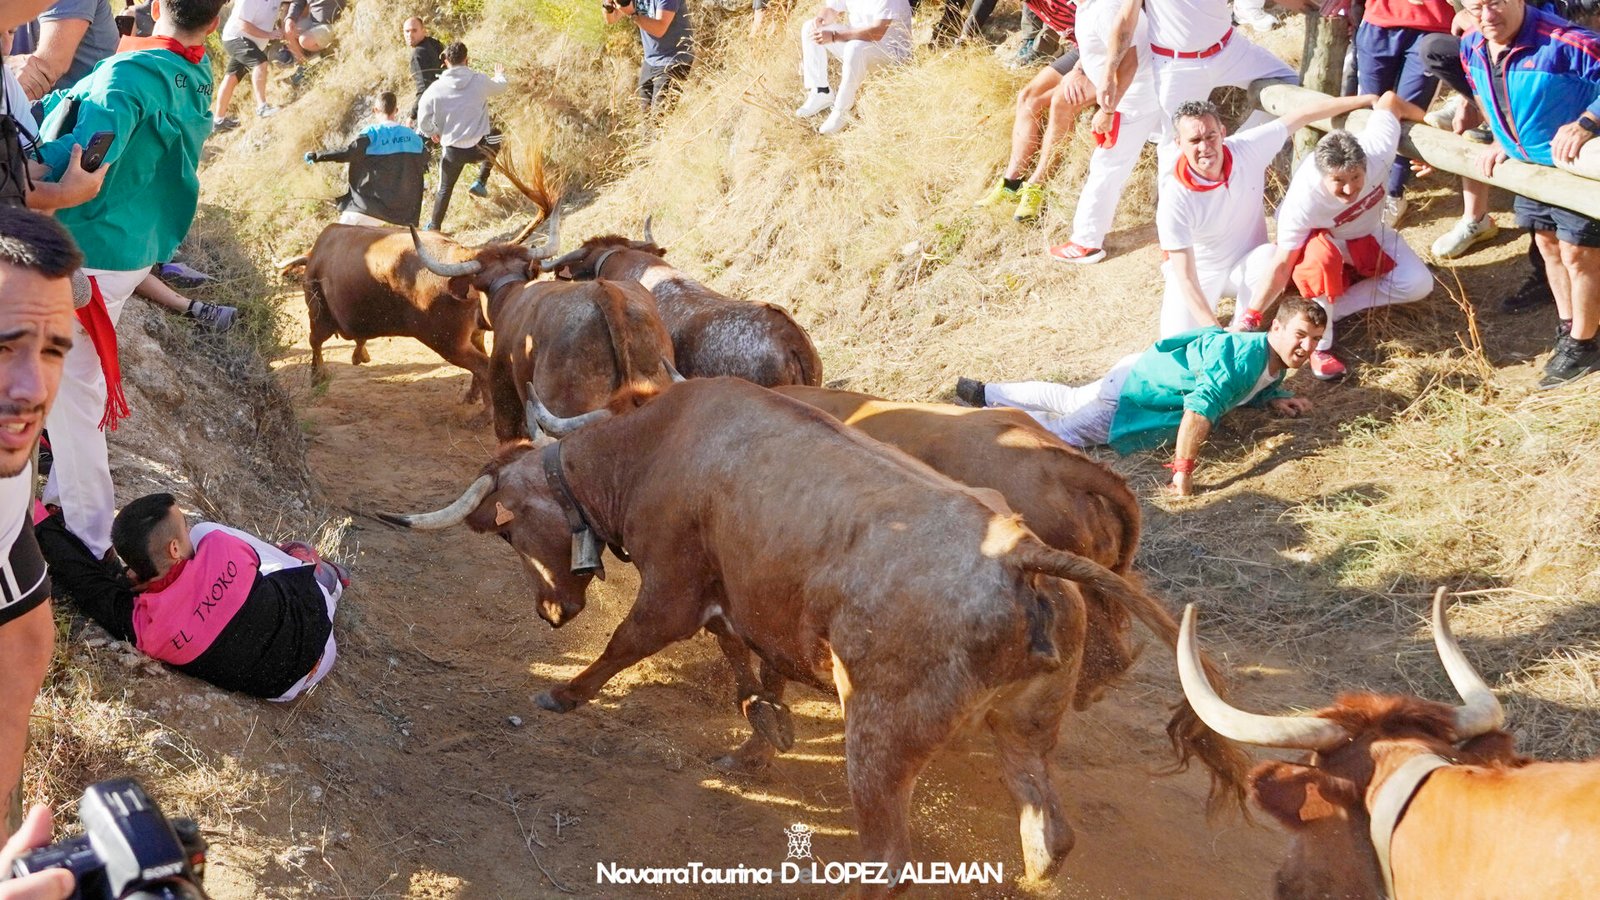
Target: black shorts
243	55
1570	227
1064	63
24	581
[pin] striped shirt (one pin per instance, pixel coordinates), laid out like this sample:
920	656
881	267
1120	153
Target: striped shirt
1059	16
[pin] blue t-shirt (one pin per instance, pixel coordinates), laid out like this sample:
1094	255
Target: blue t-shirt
674	45
384	138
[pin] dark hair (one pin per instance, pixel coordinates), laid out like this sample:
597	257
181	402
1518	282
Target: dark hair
1339	151
456	53
132	528
1299	306
192	15
1197	109
31	240
388	104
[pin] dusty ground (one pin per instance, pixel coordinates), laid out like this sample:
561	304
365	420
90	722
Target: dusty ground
403	775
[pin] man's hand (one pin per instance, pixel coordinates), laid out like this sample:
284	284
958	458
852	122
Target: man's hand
1491	158
1076	88
1568	141
33	73
499	72
1421	169
1468	116
1182	484
1291	407
1101	124
78	186
51	884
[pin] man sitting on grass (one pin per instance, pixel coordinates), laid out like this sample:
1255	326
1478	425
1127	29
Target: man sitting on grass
1172	393
214	602
864	34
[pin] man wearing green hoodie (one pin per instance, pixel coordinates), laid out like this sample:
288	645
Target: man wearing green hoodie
155	100
1174	392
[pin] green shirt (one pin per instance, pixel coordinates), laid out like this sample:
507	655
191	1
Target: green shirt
158	105
1208	371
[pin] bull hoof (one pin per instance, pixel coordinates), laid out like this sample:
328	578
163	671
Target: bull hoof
548	700
771	720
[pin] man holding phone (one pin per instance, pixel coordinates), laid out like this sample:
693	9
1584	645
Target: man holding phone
667	36
154	101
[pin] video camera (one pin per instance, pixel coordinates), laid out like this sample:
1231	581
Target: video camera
128	851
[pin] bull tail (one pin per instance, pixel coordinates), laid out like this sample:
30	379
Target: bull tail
1191	739
294	265
614	310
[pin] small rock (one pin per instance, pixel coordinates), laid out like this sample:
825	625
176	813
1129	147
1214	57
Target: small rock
516	721
911	248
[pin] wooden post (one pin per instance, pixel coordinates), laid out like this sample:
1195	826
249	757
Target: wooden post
1575	187
1321	66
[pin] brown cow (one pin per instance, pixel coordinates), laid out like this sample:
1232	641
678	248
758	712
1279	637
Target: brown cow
366	282
1436	789
576	343
712	333
844	563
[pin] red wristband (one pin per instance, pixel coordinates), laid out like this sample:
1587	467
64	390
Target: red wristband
1182	465
1250	318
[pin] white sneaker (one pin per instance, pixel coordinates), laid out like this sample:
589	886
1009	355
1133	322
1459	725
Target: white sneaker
1463	236
1394	211
1255	19
265	110
1444	118
814	104
834	123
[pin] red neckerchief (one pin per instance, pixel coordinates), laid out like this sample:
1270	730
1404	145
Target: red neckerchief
162	42
157	585
1186	176
96	322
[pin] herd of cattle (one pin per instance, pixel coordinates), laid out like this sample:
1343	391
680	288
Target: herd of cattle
932	565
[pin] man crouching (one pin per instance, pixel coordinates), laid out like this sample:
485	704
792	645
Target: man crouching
214	602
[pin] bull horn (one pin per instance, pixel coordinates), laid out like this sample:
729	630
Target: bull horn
1298	732
444	269
677	377
1481	713
648	237
550	265
552	241
557	426
451	515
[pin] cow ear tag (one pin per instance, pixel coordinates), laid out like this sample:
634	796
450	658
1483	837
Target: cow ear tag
501	514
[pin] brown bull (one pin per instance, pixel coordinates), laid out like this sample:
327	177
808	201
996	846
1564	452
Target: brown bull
1435	791
364	282
576	343
843	563
712	333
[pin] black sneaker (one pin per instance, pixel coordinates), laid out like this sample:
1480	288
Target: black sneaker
970	392
1572	360
1531	295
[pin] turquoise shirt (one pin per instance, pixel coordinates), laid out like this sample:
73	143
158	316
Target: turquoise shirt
1208	371
158	105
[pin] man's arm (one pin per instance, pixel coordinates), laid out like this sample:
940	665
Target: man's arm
1188	282
1119	42
114	113
1192	434
357	147
1272	283
291	38
58	42
26	644
655	27
873	32
1327	109
75	187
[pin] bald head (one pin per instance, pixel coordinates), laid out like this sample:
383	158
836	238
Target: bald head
415	31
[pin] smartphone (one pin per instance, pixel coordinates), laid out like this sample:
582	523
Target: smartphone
95	153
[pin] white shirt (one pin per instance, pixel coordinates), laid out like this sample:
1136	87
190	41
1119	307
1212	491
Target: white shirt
263	14
1094	26
1188	25
456	106
1308	205
866	13
18	106
1222	225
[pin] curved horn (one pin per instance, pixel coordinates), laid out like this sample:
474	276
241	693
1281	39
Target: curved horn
451	515
677	377
1481	713
1300	732
567	259
447	270
648	237
552	239
557	426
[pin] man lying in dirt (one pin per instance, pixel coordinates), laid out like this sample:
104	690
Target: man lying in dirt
216	603
1172	393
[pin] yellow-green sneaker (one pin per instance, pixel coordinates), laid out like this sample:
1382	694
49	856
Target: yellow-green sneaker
999	195
1030	200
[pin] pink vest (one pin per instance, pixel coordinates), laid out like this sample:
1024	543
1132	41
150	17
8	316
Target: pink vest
176	623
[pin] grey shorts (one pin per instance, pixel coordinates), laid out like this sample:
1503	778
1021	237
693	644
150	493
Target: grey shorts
1064	63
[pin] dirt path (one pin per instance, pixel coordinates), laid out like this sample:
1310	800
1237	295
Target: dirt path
424	787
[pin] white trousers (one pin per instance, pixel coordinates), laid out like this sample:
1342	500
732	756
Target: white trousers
1081	416
80	477
1238	282
351	217
856	58
1109	168
1237	64
1409	281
